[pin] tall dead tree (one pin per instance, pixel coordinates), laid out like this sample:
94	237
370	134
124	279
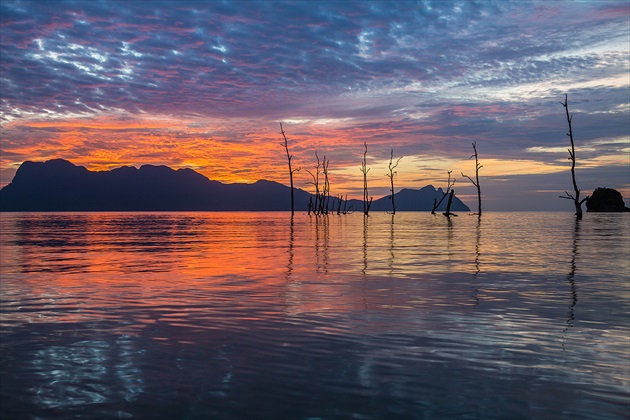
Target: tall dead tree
391	176
364	169
291	170
315	207
475	182
326	190
449	186
576	198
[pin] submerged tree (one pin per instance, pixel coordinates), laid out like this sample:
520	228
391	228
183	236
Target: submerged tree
291	170
448	213
343	202
364	169
315	207
576	198
391	176
325	201
449	186
321	204
475	182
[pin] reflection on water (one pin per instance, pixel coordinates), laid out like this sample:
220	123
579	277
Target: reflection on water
571	276
250	315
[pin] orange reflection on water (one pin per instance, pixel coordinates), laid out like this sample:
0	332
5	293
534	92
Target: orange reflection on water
194	264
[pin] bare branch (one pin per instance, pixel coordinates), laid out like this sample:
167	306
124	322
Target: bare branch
449	186
291	170
475	182
392	173
576	198
365	170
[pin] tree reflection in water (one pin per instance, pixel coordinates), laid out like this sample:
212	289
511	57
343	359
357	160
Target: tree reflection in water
571	280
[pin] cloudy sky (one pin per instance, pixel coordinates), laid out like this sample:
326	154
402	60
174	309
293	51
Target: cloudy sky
204	85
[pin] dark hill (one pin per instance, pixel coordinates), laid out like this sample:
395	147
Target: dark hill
58	185
417	200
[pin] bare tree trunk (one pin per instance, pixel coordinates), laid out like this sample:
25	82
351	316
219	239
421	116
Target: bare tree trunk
476	181
391	176
315	182
326	193
449	185
291	171
448	213
364	169
576	197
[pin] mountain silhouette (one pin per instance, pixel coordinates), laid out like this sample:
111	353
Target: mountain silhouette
417	200
59	185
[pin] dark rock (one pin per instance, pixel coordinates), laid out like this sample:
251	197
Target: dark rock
606	200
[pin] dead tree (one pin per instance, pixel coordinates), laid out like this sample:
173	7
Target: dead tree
449	186
315	206
343	201
291	170
364	169
448	213
576	198
391	176
475	182
325	202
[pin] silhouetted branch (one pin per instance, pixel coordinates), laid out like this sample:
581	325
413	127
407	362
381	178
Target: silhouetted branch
391	176
343	202
326	191
448	213
291	171
449	185
364	169
476	181
576	198
315	206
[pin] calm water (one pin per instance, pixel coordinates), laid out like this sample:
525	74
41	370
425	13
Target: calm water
252	315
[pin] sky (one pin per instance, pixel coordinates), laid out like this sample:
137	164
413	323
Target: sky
205	85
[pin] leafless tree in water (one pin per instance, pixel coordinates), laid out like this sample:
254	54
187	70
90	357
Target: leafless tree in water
291	170
448	213
576	198
314	206
364	169
449	186
392	173
475	181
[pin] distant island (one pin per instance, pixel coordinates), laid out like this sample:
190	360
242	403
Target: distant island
59	185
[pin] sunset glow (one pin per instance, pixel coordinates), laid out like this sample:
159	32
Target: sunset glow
204	85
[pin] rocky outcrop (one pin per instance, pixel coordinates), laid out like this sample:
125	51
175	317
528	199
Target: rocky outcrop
606	200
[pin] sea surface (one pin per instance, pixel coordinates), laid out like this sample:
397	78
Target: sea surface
268	316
